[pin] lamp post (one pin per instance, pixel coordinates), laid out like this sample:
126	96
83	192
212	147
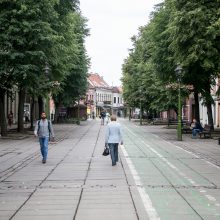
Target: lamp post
140	108
179	72
46	105
46	70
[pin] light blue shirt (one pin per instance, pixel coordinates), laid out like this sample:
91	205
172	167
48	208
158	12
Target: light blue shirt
113	133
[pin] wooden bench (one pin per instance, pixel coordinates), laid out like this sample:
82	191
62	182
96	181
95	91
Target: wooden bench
206	132
187	128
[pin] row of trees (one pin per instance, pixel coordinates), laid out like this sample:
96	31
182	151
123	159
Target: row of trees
42	51
185	32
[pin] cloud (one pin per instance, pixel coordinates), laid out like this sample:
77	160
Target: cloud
112	24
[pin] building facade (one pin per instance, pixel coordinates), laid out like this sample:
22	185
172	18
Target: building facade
100	96
188	108
117	102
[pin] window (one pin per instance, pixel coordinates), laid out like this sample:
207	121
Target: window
98	97
118	100
114	99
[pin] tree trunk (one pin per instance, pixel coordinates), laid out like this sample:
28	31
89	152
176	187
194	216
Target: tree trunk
41	105
32	113
129	113
196	98
176	111
208	99
168	118
78	118
210	116
3	123
56	115
21	110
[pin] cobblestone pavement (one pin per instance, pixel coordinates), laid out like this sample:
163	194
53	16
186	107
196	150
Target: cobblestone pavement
77	182
157	177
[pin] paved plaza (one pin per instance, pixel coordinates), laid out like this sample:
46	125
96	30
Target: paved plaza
157	177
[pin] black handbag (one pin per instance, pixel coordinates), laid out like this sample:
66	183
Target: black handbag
106	151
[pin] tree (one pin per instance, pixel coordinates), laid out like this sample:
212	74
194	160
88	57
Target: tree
195	33
25	39
139	71
74	85
185	32
33	35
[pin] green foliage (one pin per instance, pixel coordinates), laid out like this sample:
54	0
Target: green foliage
40	35
196	44
185	32
141	83
34	34
74	84
26	37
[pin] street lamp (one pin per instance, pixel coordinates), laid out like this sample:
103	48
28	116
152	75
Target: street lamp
46	69
140	107
179	75
46	106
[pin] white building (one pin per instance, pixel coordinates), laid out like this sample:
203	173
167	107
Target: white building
215	107
100	96
117	102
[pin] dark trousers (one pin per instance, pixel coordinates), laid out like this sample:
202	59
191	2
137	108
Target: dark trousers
195	131
114	152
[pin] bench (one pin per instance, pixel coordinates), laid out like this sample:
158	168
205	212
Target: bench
187	128
165	121
159	121
206	132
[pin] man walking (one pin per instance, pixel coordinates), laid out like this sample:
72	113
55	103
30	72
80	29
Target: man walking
113	137
103	115
44	130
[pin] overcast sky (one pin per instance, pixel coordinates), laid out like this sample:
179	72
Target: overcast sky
112	23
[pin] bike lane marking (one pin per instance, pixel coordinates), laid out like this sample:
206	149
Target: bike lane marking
189	152
209	197
151	211
202	192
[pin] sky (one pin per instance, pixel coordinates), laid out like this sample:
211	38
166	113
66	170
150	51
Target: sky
112	23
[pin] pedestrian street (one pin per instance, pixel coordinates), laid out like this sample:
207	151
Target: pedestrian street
155	178
175	183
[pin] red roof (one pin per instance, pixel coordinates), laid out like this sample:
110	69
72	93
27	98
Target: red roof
115	89
95	80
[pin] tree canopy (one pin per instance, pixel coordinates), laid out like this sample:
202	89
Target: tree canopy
42	42
184	32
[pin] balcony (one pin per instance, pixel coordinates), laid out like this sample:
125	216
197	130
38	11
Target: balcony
107	102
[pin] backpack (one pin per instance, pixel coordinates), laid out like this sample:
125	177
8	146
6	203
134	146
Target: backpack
103	114
38	123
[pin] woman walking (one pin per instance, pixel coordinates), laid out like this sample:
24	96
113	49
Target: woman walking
113	137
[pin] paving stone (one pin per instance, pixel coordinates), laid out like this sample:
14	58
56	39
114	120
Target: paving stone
46	217
179	178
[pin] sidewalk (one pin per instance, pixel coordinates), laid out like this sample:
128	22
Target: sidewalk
77	182
208	149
